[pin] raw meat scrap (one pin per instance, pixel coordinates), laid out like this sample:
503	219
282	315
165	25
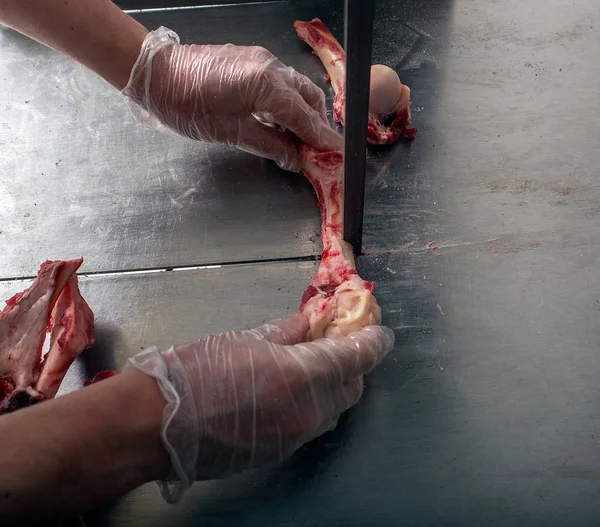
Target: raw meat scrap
333	57
51	304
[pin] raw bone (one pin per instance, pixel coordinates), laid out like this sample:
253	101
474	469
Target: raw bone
333	57
52	303
72	324
338	301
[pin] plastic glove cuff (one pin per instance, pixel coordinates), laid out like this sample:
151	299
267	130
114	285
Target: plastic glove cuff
179	431
137	91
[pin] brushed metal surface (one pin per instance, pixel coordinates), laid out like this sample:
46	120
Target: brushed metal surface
487	411
132	5
138	310
79	177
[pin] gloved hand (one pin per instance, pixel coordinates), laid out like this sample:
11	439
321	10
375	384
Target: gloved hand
248	399
219	93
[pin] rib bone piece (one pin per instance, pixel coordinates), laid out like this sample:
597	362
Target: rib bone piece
333	57
72	331
52	303
338	301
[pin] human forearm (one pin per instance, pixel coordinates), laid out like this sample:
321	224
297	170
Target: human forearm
72	453
95	33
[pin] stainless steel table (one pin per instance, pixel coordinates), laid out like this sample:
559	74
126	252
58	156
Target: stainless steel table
487	411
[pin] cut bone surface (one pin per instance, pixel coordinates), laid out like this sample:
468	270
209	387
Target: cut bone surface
52	303
338	301
333	57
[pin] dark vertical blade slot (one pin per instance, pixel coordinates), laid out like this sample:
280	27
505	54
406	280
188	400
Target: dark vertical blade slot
358	41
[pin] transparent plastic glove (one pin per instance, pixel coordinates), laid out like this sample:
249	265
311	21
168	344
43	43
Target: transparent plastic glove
242	96
249	399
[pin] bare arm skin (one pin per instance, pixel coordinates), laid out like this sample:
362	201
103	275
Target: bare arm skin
95	33
70	454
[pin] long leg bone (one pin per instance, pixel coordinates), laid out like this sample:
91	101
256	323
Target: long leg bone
338	301
395	110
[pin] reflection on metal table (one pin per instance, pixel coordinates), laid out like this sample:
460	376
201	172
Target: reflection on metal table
482	234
